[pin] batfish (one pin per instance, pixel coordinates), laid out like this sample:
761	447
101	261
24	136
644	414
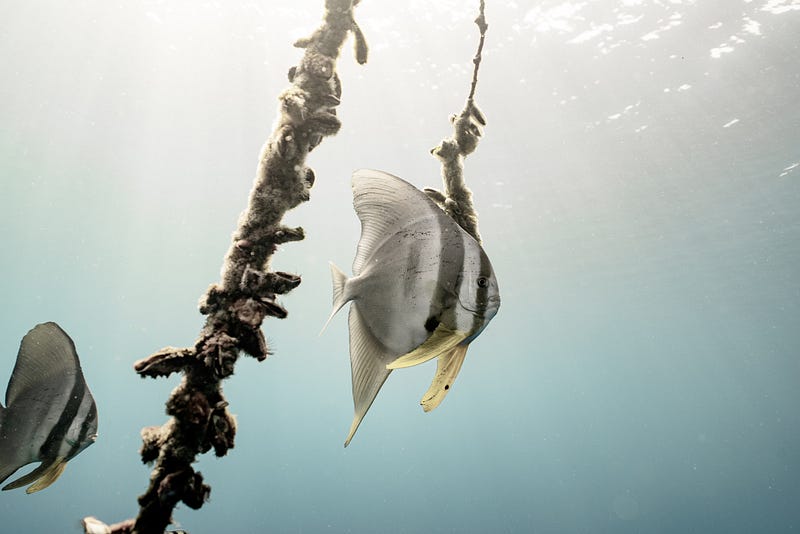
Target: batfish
50	415
422	288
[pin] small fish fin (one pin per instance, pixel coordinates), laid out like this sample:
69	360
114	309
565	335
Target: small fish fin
447	368
48	477
368	358
339	297
46	351
384	203
11	453
441	341
42	476
8	464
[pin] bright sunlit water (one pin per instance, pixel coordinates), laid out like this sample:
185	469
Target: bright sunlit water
638	187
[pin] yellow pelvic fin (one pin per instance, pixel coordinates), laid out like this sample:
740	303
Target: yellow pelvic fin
42	477
44	469
447	369
49	475
441	341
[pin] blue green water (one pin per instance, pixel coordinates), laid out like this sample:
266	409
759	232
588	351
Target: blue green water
638	187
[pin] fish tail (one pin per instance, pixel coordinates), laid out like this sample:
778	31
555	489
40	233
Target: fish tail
339	296
339	281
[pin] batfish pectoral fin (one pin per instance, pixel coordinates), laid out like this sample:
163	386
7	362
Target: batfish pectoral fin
441	341
447	369
42	477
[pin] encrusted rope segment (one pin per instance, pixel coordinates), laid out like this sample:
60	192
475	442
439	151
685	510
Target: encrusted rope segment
457	197
247	294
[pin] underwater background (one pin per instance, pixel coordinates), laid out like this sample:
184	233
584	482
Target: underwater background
638	188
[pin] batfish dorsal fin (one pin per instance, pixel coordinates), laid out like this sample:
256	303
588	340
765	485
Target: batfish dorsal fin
46	351
384	204
368	359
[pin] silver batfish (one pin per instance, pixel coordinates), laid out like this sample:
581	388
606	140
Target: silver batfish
422	288
50	415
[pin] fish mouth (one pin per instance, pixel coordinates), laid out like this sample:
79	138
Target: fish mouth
492	305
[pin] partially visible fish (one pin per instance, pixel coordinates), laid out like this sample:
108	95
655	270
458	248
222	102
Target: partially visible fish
422	288
50	415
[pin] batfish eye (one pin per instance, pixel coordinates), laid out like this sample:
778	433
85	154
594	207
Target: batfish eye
483	281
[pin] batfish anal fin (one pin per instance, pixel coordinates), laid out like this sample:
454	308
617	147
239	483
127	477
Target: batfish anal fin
41	477
368	359
9	463
441	341
447	369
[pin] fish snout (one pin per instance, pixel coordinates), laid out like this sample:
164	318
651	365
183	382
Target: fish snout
493	307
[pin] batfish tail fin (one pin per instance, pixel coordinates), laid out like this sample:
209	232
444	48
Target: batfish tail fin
368	366
339	297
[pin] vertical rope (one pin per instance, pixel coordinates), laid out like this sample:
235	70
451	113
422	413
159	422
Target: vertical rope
457	197
247	293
